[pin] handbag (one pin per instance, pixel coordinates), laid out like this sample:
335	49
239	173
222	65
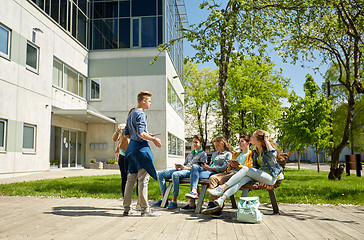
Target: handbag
248	210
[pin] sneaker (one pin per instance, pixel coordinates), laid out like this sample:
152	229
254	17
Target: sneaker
150	214
130	212
217	191
138	207
219	202
192	195
172	205
157	203
188	208
211	208
217	214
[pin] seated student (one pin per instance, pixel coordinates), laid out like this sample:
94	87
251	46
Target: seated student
265	168
181	171
240	158
218	164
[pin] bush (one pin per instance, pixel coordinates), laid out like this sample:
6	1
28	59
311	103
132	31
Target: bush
111	161
93	160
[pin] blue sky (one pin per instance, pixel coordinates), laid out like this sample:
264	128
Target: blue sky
295	72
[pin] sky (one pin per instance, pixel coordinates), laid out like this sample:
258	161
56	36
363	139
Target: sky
295	72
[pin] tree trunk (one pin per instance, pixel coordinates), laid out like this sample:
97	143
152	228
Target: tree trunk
299	160
317	159
206	130
333	175
223	101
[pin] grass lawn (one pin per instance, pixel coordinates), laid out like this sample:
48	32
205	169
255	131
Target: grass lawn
299	186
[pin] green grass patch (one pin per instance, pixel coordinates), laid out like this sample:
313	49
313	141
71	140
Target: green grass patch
299	186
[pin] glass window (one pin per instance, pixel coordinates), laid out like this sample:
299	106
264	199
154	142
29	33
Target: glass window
4	41
136	32
2	135
105	34
82	28
82	4
124	33
29	136
124	8
55	10
95	89
32	56
149	32
70	80
174	100
57	73
63	13
74	20
106	9
175	145
81	85
144	7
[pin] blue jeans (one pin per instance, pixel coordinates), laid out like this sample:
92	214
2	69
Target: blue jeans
175	175
245	175
198	172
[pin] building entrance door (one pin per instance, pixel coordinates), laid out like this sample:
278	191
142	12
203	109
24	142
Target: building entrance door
69	148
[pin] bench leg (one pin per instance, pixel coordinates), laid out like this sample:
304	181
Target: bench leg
166	194
273	200
201	197
233	201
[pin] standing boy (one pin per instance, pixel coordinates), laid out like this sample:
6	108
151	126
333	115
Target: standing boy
139	156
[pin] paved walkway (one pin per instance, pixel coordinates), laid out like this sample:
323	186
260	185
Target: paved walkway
85	218
73	218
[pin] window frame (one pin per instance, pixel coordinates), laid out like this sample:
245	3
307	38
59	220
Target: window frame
30	150
95	99
35	70
3	148
7	56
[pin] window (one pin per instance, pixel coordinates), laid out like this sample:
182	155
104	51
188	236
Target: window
32	56
68	78
5	34
29	136
95	89
2	135
174	100
175	145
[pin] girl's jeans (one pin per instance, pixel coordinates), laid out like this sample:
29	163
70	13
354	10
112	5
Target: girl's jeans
198	172
245	175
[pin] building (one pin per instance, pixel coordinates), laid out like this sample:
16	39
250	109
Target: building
70	71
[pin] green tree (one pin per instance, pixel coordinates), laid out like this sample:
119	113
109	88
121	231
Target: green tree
254	90
307	120
225	35
200	100
333	28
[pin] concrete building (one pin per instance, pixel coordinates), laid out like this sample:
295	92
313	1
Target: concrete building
70	70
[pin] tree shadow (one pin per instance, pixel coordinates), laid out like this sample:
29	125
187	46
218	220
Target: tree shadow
82	211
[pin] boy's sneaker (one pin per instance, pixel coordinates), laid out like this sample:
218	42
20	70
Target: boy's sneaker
211	208
150	214
217	191
188	208
157	203
131	212
192	195
172	205
219	202
217	214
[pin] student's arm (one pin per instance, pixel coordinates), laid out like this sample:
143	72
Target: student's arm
157	142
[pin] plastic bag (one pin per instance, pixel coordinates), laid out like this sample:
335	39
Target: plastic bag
248	210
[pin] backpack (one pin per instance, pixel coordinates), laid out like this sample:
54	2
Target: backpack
248	210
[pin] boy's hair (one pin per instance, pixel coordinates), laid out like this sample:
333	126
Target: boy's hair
198	138
143	94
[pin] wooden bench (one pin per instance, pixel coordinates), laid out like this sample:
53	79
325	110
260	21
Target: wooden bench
251	185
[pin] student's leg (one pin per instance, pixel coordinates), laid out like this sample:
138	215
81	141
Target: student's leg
216	180
132	178
176	175
143	178
123	174
195	176
162	175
